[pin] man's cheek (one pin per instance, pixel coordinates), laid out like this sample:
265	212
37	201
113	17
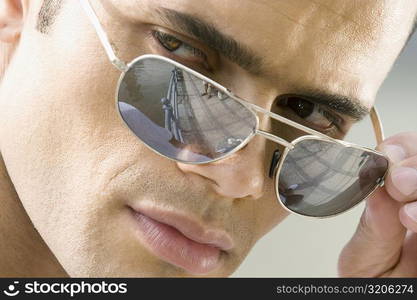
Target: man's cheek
270	214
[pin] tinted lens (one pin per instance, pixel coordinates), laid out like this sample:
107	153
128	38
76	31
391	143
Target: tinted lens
180	115
320	178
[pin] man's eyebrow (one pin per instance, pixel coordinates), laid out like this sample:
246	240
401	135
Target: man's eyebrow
248	60
341	104
212	37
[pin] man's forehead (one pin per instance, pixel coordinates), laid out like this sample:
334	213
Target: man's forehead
273	25
309	35
368	16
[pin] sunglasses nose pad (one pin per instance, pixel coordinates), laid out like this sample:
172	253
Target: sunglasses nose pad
274	161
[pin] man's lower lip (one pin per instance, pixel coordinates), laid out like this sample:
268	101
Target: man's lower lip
169	244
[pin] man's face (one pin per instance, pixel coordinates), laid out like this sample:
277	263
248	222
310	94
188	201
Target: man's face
77	169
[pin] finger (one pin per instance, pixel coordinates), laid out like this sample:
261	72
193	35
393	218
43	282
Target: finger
408	216
376	245
401	180
407	266
400	146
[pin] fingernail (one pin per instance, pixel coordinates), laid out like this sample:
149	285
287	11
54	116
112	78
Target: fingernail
405	180
394	152
411	210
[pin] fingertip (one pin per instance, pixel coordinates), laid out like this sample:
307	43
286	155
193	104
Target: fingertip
408	216
395	153
404	180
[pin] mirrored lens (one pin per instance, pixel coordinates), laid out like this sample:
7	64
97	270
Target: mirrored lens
180	115
321	178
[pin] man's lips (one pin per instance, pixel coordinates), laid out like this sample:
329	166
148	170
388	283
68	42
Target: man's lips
180	240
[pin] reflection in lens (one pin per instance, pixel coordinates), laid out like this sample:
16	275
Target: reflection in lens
321	178
179	115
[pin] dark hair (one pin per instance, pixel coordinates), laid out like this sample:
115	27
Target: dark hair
47	14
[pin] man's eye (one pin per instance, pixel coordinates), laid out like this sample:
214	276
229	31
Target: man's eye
180	49
312	115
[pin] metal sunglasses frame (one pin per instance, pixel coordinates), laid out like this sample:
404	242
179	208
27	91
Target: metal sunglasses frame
310	133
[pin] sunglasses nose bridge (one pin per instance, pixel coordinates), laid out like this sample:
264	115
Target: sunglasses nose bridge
274	138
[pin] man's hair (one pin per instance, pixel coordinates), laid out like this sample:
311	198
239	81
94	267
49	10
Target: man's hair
47	14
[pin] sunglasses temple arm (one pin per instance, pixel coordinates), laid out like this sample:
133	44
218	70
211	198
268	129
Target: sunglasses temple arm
119	64
377	124
376	121
279	118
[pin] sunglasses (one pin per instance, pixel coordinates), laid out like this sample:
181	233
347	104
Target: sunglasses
184	116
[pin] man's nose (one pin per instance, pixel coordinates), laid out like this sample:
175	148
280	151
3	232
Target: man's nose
240	175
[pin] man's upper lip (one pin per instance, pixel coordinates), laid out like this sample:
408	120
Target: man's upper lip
188	226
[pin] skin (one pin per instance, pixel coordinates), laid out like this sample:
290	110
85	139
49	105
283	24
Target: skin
69	166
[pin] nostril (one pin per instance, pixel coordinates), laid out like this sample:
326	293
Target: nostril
275	158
